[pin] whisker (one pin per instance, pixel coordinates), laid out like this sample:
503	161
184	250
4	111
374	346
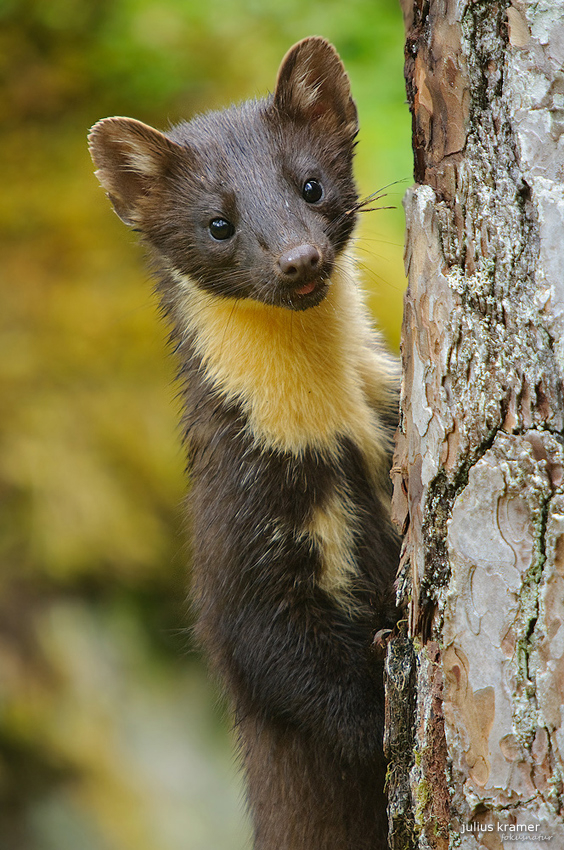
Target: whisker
377	241
361	206
369	209
236	302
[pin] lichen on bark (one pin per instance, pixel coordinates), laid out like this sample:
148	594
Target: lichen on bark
478	482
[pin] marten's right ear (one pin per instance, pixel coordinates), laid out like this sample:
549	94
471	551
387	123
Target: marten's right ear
130	158
313	86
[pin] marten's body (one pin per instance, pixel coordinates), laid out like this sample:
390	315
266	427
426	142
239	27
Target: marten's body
289	412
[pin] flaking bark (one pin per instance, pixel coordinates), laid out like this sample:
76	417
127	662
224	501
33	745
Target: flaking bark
478	467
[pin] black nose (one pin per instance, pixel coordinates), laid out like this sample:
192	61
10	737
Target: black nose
300	263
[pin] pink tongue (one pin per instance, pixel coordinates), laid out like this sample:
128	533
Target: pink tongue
306	288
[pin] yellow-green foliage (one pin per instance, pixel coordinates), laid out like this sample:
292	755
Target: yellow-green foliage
103	718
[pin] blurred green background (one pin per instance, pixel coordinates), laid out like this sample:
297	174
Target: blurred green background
111	736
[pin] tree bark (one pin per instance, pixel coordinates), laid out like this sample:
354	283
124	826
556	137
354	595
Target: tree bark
475	733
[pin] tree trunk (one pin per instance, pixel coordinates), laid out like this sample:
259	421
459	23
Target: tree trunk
475	733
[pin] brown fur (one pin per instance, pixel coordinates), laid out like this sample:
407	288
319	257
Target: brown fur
289	408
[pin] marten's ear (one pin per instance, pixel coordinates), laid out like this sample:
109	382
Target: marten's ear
313	85
130	158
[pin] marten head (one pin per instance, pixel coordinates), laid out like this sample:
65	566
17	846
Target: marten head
255	201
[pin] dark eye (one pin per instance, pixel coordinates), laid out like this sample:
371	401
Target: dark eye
221	229
312	191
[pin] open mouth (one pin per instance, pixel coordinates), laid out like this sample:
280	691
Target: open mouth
307	288
309	294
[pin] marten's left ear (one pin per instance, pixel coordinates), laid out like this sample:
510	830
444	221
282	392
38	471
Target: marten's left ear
313	85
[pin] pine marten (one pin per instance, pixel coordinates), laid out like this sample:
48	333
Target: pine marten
290	404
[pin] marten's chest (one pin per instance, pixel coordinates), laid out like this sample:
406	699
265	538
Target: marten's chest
287	450
298	378
269	514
